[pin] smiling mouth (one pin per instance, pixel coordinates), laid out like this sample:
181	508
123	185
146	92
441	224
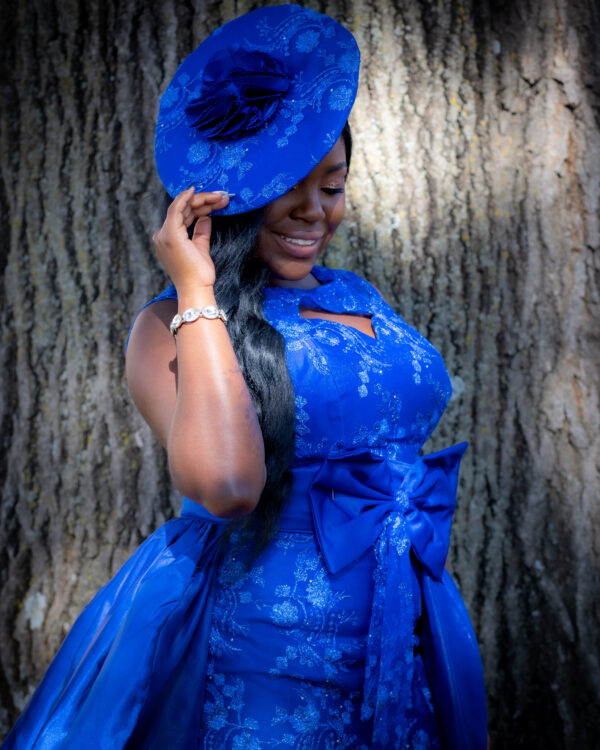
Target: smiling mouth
298	242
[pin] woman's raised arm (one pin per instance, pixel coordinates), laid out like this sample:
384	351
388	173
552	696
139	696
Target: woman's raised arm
189	388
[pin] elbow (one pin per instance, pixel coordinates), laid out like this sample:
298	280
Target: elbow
225	497
231	508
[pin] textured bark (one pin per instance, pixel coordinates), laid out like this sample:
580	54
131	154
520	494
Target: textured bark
474	207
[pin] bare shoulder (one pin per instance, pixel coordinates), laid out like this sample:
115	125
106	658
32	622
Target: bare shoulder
161	311
150	332
151	366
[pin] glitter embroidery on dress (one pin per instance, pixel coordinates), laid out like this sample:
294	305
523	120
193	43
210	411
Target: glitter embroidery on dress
312	630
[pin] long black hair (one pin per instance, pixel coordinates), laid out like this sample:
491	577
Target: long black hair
260	350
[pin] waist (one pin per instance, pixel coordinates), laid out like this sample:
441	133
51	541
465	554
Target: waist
296	515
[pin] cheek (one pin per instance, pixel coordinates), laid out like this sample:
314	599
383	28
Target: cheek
337	214
275	211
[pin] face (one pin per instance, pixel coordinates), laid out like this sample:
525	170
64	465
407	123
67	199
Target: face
297	227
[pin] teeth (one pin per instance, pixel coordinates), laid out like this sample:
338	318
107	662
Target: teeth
298	242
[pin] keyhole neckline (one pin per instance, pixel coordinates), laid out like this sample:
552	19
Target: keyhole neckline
338	293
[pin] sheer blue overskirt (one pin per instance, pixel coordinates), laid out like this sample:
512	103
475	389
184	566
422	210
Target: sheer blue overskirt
136	656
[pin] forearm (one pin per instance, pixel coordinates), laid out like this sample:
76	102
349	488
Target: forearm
214	443
191	392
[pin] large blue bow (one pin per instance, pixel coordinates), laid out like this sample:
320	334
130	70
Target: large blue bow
353	493
362	501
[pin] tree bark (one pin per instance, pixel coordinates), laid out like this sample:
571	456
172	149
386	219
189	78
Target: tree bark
474	202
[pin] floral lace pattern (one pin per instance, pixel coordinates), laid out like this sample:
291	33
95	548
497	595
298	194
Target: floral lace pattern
291	663
386	393
305	690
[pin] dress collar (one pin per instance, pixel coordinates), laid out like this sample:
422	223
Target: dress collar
338	292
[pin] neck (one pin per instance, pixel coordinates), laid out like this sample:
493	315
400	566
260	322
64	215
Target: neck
308	282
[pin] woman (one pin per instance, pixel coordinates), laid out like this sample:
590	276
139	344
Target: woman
300	599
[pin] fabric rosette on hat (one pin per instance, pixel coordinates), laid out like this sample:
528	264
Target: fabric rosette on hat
257	105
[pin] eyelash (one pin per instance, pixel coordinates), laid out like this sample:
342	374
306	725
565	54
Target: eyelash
332	191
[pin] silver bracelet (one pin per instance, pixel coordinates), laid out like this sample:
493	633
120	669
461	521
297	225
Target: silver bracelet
210	312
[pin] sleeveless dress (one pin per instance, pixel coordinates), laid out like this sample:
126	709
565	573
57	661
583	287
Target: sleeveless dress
346	631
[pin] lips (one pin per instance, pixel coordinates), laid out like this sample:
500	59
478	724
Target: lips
299	245
298	241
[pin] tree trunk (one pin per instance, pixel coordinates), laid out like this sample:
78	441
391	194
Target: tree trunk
473	206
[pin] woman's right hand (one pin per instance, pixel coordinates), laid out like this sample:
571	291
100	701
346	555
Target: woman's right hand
187	261
190	388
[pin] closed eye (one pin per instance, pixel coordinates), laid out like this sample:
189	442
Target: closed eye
332	191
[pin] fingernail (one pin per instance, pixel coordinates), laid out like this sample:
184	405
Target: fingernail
224	192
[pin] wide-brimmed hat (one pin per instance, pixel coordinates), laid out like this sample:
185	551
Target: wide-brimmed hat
257	105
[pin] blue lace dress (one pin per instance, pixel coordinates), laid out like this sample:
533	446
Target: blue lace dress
346	632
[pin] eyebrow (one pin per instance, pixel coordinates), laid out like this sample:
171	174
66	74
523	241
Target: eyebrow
336	167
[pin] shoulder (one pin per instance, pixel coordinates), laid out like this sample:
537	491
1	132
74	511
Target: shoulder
159	308
155	317
150	334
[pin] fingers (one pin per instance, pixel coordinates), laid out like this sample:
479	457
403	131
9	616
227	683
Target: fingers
186	208
201	230
189	205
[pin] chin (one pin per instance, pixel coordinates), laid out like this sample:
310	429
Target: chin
291	270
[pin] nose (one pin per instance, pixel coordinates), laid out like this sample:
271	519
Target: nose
308	204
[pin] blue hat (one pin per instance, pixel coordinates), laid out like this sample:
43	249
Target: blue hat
257	105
